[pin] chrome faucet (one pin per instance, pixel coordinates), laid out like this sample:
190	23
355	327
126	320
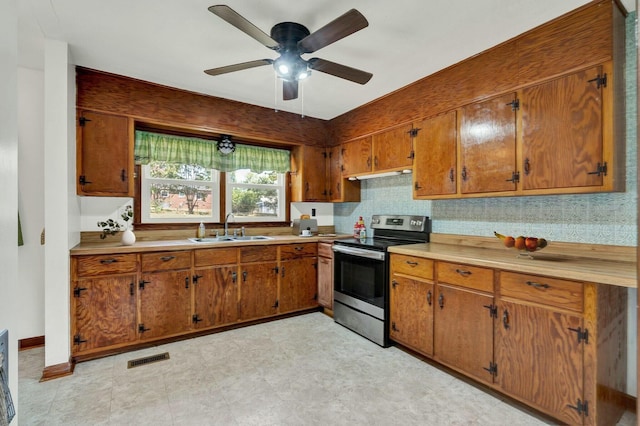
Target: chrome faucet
226	224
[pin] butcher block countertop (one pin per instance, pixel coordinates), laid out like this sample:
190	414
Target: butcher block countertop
614	265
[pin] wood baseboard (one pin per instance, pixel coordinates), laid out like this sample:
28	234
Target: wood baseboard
56	371
30	343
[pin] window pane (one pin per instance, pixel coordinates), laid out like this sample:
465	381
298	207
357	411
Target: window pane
179	201
162	170
251	202
247	176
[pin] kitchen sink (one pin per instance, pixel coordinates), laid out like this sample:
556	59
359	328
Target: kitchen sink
229	238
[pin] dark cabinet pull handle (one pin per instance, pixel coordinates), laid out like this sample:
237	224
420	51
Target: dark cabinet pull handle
451	174
234	277
186	282
527	167
411	263
123	175
505	319
429	297
244	276
131	286
463	272
369	161
108	261
283	272
441	301
537	285
167	258
375	161
465	174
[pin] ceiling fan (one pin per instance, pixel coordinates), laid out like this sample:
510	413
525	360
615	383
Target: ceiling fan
291	40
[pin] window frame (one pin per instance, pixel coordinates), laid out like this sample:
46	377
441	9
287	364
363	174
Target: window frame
281	188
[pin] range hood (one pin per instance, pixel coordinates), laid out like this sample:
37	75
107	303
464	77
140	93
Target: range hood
384	174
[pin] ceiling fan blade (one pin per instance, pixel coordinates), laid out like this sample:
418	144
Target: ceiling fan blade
338	70
289	89
239	67
335	30
238	21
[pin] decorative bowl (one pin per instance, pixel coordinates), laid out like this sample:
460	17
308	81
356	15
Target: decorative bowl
524	245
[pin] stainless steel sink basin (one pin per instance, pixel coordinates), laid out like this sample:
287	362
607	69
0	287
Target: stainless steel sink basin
230	238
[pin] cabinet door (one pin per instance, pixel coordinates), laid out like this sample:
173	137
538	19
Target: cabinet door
393	150
434	170
165	304
298	284
539	358
340	189
308	181
463	329
488	145
105	312
325	282
258	290
216	296
104	155
562	132
356	157
411	305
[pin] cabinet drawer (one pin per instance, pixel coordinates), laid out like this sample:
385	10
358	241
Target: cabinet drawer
217	256
325	250
106	264
411	265
166	260
547	291
258	254
465	276
298	250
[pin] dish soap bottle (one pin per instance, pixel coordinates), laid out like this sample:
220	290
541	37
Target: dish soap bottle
363	229
201	230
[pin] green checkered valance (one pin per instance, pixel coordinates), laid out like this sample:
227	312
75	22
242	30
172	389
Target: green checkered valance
203	152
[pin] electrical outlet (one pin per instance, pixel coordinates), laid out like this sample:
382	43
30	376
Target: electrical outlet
42	237
313	212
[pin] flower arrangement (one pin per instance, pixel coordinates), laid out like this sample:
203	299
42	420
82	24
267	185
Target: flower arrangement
110	226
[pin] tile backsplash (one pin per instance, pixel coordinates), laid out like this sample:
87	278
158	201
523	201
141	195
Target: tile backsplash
605	218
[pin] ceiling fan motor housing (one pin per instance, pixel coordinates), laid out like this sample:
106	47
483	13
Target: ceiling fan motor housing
289	66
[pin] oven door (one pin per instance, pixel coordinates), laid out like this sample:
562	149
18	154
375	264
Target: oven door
360	279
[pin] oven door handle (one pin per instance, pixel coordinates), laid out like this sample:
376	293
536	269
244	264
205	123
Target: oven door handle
369	254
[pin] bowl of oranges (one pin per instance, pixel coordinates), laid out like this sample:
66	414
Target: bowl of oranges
525	245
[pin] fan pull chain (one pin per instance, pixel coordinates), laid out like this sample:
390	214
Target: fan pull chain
275	92
301	84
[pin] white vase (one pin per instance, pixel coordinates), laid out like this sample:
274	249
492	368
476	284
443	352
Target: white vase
128	237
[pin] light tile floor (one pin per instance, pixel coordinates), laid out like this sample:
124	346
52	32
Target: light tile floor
304	370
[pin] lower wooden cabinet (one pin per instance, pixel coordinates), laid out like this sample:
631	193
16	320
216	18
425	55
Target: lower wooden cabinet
411	302
121	300
556	345
463	331
104	312
325	275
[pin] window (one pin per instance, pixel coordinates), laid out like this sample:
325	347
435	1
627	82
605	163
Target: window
179	193
182	179
255	197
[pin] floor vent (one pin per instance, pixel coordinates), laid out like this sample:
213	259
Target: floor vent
147	360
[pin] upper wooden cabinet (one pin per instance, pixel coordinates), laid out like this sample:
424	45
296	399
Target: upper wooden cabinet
104	155
435	170
316	175
562	140
488	145
356	157
386	151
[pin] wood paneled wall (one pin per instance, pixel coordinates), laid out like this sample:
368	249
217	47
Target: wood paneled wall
162	105
577	40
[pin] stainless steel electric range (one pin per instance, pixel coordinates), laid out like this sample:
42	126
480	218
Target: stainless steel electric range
361	273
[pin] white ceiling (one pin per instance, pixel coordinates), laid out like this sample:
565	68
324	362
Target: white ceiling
172	42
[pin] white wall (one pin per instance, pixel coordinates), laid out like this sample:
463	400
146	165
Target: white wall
10	312
31	201
62	217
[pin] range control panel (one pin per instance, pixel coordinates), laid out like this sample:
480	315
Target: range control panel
400	222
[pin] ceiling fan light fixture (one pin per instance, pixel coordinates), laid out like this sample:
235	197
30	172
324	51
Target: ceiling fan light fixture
226	146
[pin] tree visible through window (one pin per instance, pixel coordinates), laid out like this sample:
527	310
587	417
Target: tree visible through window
179	193
255	196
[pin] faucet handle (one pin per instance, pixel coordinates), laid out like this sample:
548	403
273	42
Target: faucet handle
217	233
243	232
235	232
